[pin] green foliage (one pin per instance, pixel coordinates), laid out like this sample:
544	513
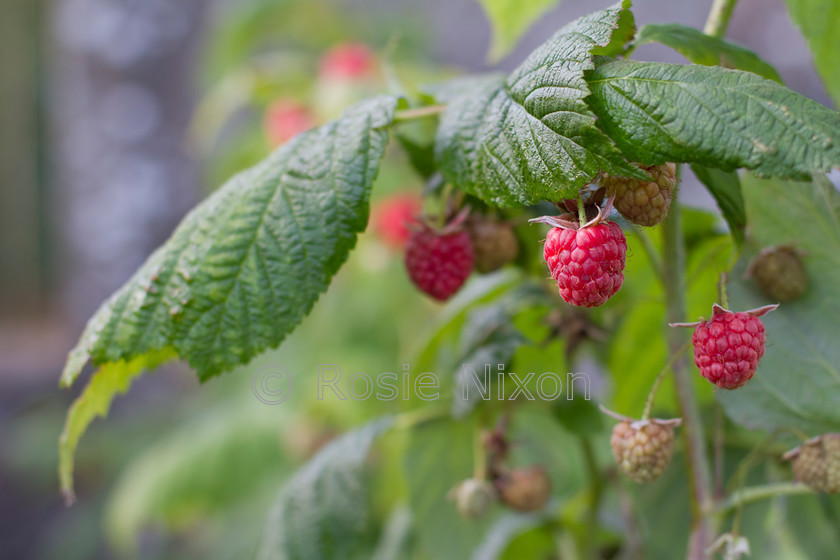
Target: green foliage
510	19
532	138
109	381
798	381
322	512
713	116
817	19
726	190
704	49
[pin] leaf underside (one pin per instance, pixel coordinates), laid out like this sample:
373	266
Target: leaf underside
322	511
713	116
531	137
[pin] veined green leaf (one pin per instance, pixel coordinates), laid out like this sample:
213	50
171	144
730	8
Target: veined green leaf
798	380
531	137
726	190
819	21
106	383
321	513
510	19
704	49
713	116
248	264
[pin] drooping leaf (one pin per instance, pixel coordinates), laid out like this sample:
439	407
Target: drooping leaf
106	383
248	264
531	137
725	187
798	379
322	511
818	20
510	19
713	116
704	49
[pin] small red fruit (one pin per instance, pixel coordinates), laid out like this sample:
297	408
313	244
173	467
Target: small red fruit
439	262
392	216
728	346
285	119
588	263
347	61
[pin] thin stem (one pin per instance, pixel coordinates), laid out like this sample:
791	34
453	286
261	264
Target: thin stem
596	489
756	493
718	474
581	211
697	465
659	378
650	251
719	16
418	113
723	294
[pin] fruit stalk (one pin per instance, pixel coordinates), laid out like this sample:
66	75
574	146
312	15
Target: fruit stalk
756	493
697	464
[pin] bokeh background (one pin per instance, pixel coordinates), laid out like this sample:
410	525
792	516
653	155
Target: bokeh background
116	117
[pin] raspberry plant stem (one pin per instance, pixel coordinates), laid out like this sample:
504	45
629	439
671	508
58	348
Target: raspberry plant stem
581	211
719	16
658	381
697	463
406	115
755	493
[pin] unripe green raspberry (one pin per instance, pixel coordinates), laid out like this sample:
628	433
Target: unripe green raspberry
643	448
816	463
644	203
494	244
474	497
779	273
525	489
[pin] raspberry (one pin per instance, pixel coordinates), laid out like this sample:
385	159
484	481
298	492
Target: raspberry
284	119
439	262
816	463
643	203
588	263
728	346
474	497
494	243
347	61
779	273
643	448
392	215
525	489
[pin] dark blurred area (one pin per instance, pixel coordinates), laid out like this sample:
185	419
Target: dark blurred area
110	131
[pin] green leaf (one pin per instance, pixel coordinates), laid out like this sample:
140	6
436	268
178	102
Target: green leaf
510	19
248	264
322	511
704	49
798	379
819	22
109	381
713	116
531	137
726	190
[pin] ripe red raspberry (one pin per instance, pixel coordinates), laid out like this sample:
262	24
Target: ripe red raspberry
588	263
494	243
525	489
643	448
392	216
347	61
284	119
816	463
728	346
439	262
643	203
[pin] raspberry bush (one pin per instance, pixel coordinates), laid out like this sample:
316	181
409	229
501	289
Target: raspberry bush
536	223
